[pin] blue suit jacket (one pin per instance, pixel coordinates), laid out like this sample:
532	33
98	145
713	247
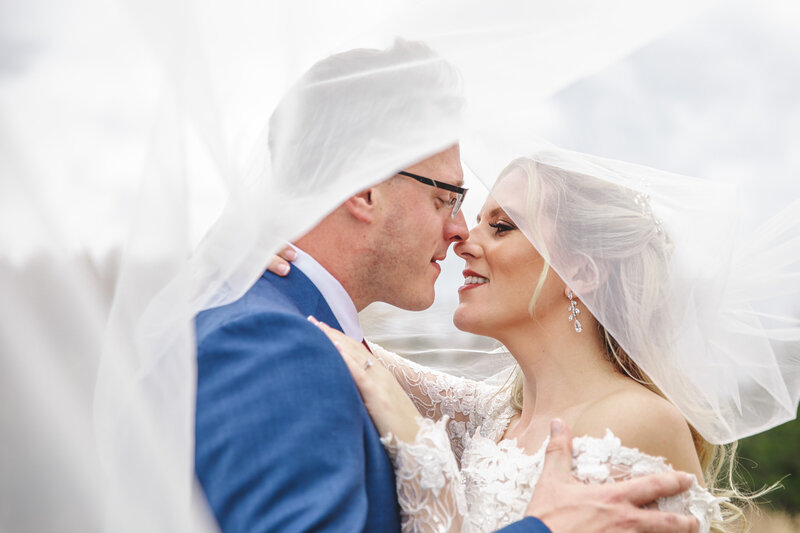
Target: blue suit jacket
283	440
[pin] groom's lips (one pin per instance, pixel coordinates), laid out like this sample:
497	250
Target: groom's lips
435	263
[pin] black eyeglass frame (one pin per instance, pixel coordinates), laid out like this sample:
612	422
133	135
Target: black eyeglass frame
461	192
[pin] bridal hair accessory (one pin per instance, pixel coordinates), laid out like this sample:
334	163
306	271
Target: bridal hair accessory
642	200
701	308
574	312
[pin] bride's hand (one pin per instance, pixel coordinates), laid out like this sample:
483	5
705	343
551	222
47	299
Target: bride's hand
386	401
280	262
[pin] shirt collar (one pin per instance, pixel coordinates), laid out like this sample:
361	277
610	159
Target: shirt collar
337	298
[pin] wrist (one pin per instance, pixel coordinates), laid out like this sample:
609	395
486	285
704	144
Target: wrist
406	429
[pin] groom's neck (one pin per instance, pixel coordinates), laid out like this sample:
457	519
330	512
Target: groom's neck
339	254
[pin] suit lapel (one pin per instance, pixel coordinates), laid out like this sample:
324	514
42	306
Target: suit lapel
305	295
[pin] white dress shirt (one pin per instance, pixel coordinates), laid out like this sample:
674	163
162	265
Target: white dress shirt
337	298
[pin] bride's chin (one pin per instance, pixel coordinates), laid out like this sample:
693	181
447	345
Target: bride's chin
461	321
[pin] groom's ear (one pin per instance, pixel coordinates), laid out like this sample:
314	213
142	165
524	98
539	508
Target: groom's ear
362	206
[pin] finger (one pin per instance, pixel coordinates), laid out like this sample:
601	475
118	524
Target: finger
558	455
329	331
643	490
662	522
357	371
345	344
288	253
352	362
324	326
278	266
349	360
333	334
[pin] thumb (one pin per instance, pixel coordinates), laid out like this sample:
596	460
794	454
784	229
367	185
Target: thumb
558	456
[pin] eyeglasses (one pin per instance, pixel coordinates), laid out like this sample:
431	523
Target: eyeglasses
455	202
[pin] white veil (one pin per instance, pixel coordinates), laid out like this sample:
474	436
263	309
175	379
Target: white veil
663	263
182	90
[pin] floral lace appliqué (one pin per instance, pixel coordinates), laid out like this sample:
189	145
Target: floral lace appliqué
460	476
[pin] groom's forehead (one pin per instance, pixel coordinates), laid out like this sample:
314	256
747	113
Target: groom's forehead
451	173
443	166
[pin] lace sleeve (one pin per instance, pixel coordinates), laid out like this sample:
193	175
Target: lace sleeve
436	394
466	403
429	488
606	460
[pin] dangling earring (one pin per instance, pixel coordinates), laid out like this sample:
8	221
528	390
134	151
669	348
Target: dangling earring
574	312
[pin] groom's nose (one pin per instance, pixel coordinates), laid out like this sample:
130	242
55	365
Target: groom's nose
455	229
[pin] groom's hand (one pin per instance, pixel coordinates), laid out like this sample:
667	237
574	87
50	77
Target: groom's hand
566	505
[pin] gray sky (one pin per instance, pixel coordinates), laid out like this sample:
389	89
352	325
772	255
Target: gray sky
717	98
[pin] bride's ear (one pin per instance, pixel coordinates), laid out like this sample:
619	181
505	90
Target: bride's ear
362	206
586	277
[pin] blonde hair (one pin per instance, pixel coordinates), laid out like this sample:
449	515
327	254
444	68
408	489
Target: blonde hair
638	253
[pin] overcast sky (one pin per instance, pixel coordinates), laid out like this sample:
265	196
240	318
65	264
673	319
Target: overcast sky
717	98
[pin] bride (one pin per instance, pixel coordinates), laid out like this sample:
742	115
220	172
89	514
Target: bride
582	282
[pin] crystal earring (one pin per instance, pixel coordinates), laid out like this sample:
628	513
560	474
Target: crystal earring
574	312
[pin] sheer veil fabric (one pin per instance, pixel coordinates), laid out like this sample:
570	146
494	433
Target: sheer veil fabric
663	264
193	84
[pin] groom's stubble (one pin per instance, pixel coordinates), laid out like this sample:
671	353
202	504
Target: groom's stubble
416	232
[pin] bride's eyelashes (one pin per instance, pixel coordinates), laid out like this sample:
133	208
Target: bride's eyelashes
501	227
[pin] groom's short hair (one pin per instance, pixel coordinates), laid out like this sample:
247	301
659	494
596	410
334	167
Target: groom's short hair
358	110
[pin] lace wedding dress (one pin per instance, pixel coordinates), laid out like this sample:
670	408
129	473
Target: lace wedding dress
460	475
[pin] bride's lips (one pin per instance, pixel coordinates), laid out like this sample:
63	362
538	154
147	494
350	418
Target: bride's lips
470	282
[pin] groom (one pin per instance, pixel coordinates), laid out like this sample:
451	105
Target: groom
283	440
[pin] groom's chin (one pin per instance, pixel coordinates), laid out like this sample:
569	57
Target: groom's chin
420	305
418	301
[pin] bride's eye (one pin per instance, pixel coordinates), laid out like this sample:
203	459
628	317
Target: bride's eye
501	227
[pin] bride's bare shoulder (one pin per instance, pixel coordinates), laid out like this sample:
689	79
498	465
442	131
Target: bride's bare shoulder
644	420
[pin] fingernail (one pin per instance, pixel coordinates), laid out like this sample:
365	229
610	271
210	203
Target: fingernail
283	269
312	319
689	478
556	427
290	254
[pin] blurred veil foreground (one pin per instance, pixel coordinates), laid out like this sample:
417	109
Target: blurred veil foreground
150	120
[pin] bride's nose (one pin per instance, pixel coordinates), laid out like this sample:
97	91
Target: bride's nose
467	248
